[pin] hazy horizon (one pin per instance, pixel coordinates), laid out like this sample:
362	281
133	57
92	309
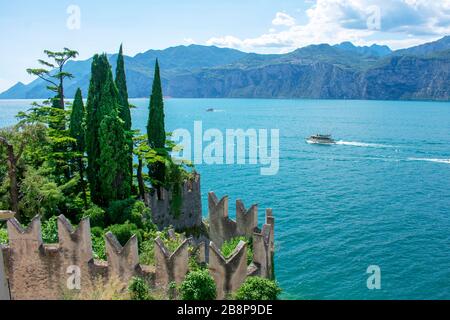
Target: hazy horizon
265	26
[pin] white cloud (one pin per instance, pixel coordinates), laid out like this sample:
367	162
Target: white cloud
283	19
335	21
188	41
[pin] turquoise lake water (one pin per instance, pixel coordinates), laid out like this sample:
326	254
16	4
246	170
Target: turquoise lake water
381	196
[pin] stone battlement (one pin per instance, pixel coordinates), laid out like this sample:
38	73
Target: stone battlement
190	214
35	270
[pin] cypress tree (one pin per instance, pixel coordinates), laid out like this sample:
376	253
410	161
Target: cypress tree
121	84
156	129
106	141
99	70
124	109
77	131
114	174
76	127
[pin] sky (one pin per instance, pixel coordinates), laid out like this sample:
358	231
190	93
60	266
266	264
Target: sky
27	28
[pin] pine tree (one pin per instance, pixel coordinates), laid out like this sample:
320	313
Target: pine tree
53	73
106	141
124	112
156	129
77	131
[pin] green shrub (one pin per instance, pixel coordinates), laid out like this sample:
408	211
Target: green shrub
3	236
140	212
50	230
147	246
198	285
98	243
135	212
96	216
124	232
139	289
256	288
173	291
229	246
147	252
171	243
194	264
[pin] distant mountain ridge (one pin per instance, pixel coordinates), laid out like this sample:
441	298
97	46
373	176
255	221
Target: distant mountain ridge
342	71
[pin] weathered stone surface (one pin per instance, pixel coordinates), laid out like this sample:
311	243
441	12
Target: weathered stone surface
5	215
262	254
171	267
34	269
222	228
122	261
264	247
4	288
190	214
247	220
228	274
75	249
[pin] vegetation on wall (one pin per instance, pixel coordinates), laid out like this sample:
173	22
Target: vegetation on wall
228	247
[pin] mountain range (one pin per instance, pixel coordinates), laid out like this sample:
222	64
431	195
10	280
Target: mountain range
343	71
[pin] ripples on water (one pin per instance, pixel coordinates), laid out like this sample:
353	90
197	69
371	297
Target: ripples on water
381	196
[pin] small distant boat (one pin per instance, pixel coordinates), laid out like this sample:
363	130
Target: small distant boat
321	139
210	110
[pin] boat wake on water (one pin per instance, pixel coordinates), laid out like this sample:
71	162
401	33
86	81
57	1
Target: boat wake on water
446	161
362	144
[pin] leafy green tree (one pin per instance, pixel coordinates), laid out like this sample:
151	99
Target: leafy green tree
60	154
53	73
156	130
96	216
77	132
106	140
256	288
146	156
14	143
198	285
40	195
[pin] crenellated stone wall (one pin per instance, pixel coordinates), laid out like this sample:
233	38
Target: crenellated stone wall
229	274
190	214
264	248
222	228
35	270
171	266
